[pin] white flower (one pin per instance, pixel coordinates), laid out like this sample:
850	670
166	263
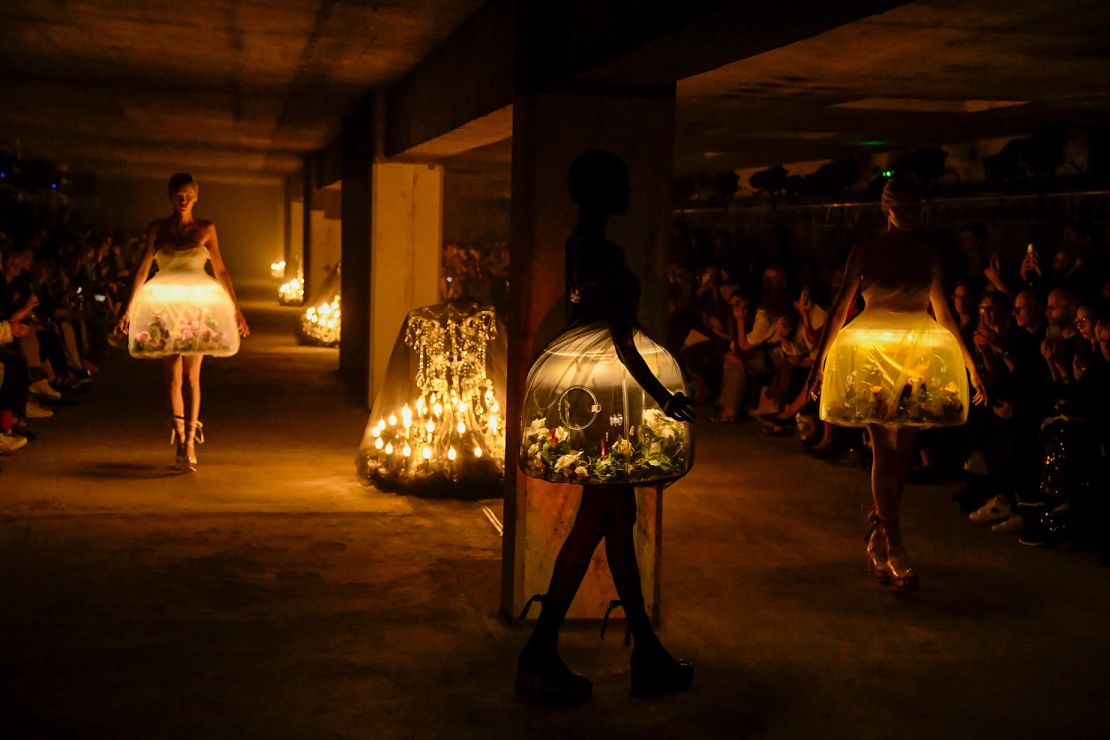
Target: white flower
561	434
566	461
653	417
622	447
536	464
533	450
536	425
581	471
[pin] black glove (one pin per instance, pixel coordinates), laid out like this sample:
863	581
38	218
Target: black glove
679	407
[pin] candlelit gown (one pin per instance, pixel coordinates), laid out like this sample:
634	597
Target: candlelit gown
894	365
182	310
585	419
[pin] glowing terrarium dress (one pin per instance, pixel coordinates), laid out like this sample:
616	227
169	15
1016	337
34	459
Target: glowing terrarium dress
182	310
896	368
437	425
585	418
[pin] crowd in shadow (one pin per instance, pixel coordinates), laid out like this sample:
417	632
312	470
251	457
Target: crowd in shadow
61	293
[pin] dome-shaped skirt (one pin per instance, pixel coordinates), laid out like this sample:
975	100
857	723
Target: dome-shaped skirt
895	369
586	420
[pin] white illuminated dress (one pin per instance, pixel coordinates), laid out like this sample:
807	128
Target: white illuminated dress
182	310
585	419
894	365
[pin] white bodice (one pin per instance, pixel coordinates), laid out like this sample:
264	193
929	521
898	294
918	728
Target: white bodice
181	259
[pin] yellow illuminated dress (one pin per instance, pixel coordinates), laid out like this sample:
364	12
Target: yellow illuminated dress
894	365
182	310
585	418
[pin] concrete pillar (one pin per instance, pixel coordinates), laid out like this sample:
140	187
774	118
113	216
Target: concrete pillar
406	226
308	188
549	131
295	259
355	209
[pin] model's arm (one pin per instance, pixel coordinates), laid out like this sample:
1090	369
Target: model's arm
849	286
945	319
140	274
622	330
224	277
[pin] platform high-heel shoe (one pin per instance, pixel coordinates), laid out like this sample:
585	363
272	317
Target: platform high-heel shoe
655	672
193	437
877	564
541	675
902	575
177	439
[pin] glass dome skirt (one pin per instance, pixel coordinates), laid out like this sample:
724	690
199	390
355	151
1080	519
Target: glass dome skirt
897	369
182	310
586	420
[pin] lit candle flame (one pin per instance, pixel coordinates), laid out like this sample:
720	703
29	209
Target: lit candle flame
451	454
477	452
406	450
427	453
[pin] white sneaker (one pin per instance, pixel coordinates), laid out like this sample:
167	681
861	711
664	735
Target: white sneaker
1012	524
11	442
42	389
995	510
36	410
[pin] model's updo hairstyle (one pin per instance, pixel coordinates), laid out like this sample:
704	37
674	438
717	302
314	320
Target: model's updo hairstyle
182	180
597	179
903	200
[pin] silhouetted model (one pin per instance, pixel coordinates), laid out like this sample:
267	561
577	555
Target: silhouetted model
893	369
595	414
182	313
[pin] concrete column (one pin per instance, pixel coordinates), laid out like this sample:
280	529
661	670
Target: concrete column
549	131
406	226
296	239
355	208
308	187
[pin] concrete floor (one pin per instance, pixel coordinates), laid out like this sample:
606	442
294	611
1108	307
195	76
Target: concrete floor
270	596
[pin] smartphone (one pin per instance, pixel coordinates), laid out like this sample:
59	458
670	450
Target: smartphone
1029	248
100	297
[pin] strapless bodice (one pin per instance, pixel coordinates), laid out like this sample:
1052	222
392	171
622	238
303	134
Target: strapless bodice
901	299
172	258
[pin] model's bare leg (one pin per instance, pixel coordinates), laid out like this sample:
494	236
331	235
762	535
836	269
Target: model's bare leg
171	370
892	453
540	672
654	670
193	430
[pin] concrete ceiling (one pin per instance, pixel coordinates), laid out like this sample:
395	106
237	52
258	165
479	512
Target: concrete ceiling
926	60
224	87
244	88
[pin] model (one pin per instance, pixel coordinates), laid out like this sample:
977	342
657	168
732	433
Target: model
894	369
595	413
183	313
